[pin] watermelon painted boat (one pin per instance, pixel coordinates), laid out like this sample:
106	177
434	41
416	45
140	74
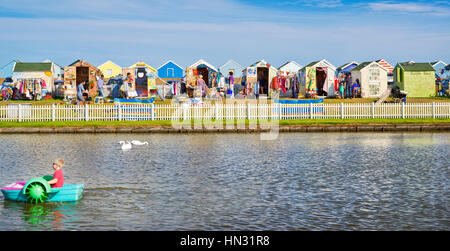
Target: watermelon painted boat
38	190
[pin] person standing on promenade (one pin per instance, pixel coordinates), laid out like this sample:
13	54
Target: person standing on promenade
348	85
355	88
202	85
100	85
127	82
231	83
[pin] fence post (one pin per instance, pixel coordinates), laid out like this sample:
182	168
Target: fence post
342	110
279	111
153	111
310	110
403	110
86	112
184	105
372	111
19	112
433	110
119	107
216	111
248	111
53	112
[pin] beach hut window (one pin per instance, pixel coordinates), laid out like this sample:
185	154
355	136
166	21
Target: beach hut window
109	72
374	89
374	74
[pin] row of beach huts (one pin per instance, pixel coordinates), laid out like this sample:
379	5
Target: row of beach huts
318	78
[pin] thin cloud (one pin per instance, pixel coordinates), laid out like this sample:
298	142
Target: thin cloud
410	7
314	3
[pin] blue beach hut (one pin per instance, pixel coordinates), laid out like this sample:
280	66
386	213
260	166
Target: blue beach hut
232	66
346	67
170	71
441	75
6	71
439	67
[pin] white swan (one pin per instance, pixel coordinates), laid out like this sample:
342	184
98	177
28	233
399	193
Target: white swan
138	143
125	146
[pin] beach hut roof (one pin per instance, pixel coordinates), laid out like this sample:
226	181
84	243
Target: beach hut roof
323	61
170	61
82	62
413	66
438	62
290	62
385	64
347	64
142	64
263	63
50	61
32	67
109	61
231	61
202	62
365	64
6	70
76	62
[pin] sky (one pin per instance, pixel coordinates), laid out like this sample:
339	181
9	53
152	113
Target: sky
155	31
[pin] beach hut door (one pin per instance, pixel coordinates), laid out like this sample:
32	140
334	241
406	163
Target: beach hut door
321	81
141	82
204	72
82	76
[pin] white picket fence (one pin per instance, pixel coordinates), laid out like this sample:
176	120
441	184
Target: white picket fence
28	112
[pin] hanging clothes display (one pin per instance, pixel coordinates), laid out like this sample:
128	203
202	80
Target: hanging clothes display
30	88
283	84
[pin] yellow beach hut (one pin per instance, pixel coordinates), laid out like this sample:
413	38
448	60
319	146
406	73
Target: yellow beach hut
109	69
144	78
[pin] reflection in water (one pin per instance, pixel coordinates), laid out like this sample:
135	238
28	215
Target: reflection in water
52	215
319	181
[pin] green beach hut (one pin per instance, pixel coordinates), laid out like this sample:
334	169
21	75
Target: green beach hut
415	78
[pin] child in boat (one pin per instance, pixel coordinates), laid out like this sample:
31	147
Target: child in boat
58	177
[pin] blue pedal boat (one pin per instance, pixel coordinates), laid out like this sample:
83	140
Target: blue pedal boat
37	190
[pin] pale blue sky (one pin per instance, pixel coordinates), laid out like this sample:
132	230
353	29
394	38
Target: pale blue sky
185	31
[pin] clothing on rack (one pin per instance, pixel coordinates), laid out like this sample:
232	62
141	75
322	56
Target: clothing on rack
31	88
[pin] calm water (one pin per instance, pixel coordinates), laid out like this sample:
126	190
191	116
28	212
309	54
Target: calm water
321	181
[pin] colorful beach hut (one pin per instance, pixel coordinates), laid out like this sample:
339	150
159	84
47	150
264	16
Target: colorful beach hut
232	66
441	82
417	79
317	79
110	70
170	71
439	67
42	72
79	72
288	68
263	73
372	78
144	77
203	68
389	69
